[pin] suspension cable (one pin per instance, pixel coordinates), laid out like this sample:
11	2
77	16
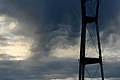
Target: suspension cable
92	40
88	73
95	74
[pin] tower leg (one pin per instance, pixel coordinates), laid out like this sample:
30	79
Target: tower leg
80	69
83	72
102	75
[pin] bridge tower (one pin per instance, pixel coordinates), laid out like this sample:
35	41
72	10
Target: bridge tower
88	19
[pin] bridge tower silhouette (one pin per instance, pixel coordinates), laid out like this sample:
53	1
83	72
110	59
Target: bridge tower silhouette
91	6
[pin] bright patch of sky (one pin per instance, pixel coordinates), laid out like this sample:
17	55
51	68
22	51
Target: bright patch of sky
12	47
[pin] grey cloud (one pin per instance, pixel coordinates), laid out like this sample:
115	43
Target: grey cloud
46	15
109	19
53	23
2	38
43	71
52	69
111	70
6	56
4	41
42	18
46	20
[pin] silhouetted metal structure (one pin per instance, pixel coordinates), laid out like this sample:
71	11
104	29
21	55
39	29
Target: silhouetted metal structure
87	19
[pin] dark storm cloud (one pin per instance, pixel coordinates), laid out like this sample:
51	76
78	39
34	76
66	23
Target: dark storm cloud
14	70
48	17
109	19
57	68
56	23
46	70
52	21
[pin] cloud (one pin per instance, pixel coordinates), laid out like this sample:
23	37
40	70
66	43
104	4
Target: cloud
53	69
10	42
6	57
52	27
45	23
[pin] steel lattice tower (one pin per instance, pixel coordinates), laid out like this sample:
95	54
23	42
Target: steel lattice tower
88	19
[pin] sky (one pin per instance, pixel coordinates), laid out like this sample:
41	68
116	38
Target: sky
40	39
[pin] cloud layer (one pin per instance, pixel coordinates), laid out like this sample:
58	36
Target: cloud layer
52	28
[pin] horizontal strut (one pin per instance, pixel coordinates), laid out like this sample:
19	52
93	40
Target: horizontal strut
89	19
88	60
